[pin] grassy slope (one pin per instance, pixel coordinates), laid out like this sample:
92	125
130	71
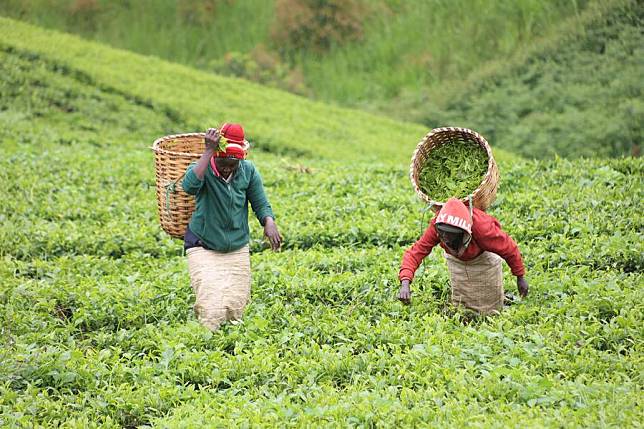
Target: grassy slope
414	44
276	121
95	306
527	74
576	94
403	43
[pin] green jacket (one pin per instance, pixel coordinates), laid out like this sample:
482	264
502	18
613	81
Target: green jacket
220	219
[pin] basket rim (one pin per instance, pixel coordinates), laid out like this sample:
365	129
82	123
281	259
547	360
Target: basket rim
157	143
478	137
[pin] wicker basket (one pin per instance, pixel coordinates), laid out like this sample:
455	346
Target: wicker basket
484	195
172	155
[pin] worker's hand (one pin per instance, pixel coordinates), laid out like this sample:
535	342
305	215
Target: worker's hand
212	139
522	285
273	235
405	292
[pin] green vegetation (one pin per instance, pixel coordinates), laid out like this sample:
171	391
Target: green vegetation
453	170
373	49
97	328
538	78
407	59
578	95
186	31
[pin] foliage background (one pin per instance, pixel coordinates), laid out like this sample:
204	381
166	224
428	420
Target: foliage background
508	69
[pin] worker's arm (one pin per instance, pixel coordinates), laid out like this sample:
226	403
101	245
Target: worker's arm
490	237
412	259
193	179
212	140
522	285
262	209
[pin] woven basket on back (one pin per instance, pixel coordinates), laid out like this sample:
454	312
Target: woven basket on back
172	155
484	195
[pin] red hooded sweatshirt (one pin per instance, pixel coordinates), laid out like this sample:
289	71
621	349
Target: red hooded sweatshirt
486	233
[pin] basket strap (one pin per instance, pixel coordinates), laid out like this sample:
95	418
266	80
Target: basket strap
171	188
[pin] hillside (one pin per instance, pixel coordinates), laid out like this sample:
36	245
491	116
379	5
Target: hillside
97	326
409	60
374	49
277	121
578	94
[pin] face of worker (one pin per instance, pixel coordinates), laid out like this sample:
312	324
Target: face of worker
453	240
227	166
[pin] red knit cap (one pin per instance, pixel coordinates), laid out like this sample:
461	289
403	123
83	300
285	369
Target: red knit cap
233	150
455	213
234	133
237	146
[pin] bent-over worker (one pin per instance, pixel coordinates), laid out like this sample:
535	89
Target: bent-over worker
474	246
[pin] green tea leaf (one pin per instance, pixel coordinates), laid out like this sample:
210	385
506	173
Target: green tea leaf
223	144
454	169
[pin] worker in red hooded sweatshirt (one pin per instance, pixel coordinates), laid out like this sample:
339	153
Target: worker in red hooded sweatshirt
474	246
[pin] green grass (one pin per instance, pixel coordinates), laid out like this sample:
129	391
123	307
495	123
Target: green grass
184	31
430	40
406	46
276	122
97	328
419	44
576	95
527	74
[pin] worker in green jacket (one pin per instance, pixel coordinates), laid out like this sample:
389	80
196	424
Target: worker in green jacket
216	240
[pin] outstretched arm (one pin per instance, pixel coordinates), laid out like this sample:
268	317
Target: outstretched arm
412	259
491	237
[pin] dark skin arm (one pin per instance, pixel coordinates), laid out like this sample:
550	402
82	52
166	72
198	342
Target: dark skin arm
522	285
212	140
271	232
405	292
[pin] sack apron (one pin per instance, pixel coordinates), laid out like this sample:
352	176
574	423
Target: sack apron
221	282
477	284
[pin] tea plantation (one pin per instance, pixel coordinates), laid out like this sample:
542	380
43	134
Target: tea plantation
97	327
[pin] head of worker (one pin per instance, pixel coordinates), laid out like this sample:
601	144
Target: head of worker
236	148
454	226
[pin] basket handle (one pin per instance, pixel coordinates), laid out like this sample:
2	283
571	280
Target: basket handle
171	188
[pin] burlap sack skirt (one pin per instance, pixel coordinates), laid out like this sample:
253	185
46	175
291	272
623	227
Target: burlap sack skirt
477	284
221	282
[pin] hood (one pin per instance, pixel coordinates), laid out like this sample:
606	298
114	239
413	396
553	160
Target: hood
455	213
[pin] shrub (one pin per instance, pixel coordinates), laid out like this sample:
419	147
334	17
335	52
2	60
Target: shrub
199	12
85	14
261	66
317	24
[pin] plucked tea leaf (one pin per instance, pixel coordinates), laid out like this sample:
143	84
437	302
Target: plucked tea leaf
455	169
223	144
